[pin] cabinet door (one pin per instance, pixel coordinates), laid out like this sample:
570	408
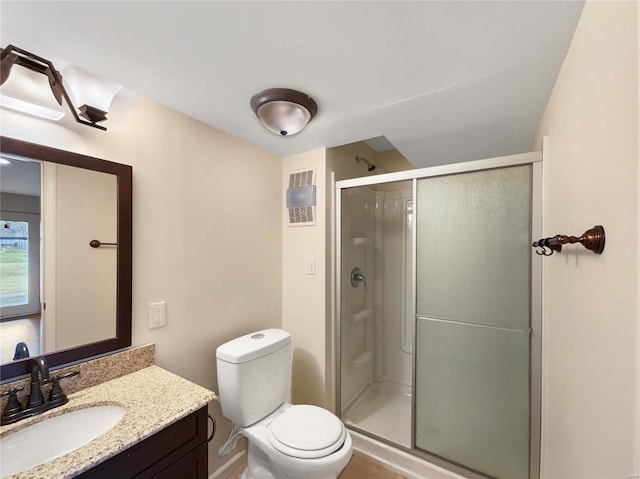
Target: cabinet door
192	466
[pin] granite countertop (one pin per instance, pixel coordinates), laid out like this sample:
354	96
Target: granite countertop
153	399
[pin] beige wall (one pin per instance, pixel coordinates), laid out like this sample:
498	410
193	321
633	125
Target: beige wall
304	308
341	159
202	239
591	322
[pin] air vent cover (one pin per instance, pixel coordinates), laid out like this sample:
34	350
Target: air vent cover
301	198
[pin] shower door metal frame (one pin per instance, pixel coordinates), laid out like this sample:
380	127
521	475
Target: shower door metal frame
535	159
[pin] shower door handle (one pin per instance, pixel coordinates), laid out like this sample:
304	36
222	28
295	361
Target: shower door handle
358	277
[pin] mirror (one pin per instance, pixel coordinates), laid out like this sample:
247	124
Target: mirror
85	290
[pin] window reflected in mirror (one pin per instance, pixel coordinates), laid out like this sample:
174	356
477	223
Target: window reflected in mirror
14	264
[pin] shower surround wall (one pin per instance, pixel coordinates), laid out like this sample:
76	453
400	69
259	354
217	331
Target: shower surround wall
398	317
358	308
378	323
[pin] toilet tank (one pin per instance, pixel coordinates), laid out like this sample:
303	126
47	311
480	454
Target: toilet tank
254	375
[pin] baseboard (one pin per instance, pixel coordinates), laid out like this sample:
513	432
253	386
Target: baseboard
398	461
229	467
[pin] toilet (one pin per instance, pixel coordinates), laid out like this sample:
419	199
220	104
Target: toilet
285	441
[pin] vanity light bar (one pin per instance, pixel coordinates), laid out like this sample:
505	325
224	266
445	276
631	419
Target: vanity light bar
12	55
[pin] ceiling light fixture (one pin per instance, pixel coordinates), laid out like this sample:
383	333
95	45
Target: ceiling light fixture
283	111
23	96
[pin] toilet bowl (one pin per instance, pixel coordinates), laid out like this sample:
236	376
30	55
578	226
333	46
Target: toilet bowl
297	442
284	441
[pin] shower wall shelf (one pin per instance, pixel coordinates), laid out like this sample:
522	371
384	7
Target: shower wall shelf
361	241
361	315
361	359
593	239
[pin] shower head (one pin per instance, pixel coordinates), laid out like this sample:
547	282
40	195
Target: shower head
370	166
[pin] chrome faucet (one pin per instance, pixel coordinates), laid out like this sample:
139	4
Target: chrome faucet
39	376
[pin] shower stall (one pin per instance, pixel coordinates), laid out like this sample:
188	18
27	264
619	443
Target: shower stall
438	313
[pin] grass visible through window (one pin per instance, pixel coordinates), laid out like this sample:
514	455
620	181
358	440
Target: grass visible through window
14	276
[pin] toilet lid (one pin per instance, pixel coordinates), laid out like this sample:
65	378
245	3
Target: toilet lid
307	432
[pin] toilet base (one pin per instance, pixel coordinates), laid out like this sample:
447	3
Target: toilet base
260	467
258	464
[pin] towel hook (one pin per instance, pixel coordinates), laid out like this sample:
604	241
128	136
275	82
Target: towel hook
593	239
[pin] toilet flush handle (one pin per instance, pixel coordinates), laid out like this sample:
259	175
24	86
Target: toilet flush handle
358	277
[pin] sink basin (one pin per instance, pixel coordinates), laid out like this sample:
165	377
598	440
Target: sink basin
51	438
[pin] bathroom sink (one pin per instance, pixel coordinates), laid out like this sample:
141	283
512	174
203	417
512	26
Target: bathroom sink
51	438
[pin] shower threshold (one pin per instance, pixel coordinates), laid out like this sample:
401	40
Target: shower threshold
383	409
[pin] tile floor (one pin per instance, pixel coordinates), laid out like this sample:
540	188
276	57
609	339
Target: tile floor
358	468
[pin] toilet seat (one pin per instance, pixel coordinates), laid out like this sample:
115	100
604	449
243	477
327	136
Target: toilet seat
306	432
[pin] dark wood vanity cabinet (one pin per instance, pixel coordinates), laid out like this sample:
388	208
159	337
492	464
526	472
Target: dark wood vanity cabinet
179	451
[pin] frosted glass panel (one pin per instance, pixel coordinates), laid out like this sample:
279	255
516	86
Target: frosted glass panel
473	304
472	397
474	247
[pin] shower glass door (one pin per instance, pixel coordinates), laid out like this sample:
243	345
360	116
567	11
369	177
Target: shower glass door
473	326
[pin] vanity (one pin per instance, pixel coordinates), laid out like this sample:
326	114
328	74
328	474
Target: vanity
180	450
162	434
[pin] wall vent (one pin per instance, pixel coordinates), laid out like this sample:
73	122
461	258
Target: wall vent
301	198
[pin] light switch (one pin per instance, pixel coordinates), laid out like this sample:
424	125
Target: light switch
310	265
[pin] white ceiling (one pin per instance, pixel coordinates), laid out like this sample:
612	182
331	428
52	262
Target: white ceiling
19	176
443	81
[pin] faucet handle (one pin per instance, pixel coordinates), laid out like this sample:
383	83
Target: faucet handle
56	393
358	277
12	392
13	405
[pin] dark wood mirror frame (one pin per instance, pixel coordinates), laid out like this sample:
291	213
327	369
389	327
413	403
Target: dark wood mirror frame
124	238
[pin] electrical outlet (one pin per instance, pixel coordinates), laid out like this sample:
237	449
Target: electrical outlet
157	314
